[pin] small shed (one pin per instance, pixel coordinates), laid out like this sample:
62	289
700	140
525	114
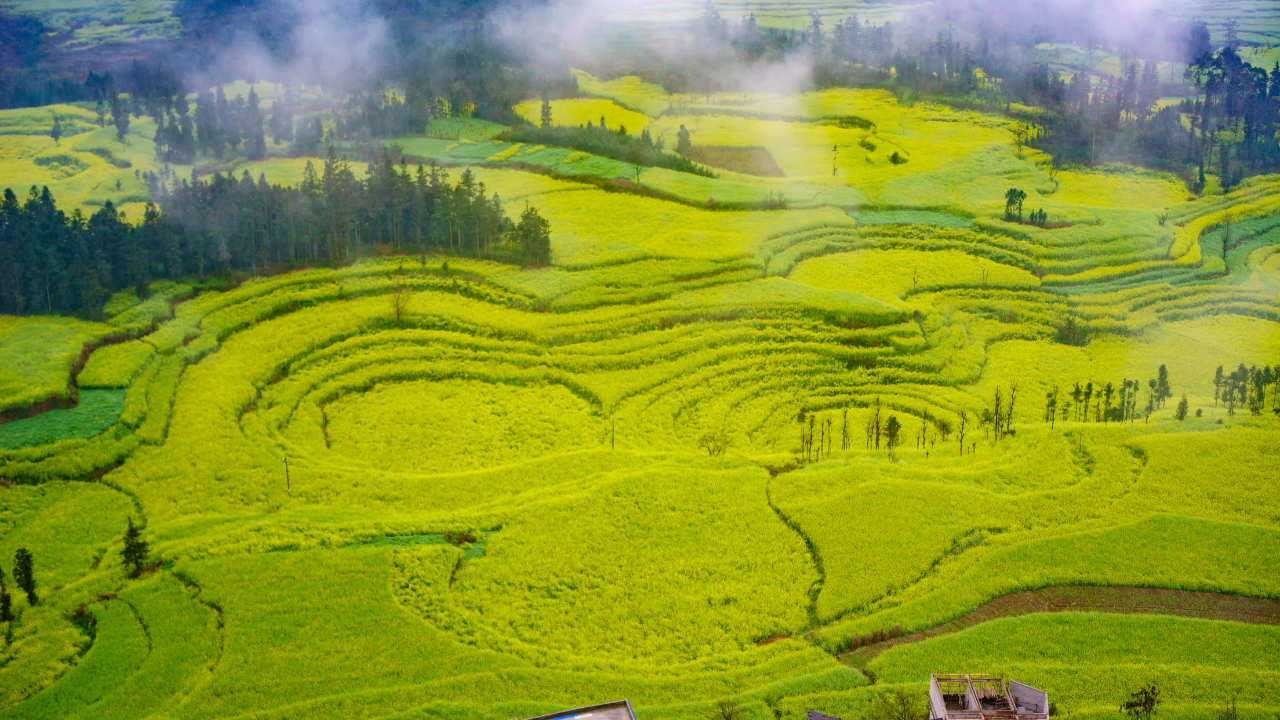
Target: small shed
618	710
984	697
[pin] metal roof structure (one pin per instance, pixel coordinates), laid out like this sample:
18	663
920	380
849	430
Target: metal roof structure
618	710
984	697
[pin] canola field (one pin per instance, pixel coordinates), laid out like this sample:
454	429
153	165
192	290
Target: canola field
652	470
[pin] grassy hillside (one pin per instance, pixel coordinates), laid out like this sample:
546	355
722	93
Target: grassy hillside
510	502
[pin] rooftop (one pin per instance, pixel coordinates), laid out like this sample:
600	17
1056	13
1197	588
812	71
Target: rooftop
618	710
984	697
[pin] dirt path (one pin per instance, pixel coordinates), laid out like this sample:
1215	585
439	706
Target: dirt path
1124	600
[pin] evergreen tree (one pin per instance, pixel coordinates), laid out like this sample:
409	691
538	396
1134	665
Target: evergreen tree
135	550
56	131
282	118
1198	42
24	574
229	119
120	116
682	141
255	143
1013	198
534	234
6	602
1231	34
207	130
1181	411
1163	392
893	434
546	111
1150	89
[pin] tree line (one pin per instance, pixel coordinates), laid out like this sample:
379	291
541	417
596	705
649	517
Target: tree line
1108	403
639	150
52	262
1246	387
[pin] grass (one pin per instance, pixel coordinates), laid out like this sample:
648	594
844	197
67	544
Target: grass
96	411
473	129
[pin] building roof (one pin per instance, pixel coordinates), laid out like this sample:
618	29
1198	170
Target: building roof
984	697
618	710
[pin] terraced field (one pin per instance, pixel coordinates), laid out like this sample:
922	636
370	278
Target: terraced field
505	504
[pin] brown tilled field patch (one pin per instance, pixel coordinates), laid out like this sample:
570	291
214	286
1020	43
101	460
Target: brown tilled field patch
1124	600
746	160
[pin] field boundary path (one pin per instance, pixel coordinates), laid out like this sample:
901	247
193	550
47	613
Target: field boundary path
1081	598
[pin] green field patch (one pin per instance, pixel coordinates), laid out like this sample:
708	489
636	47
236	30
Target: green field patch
910	217
62	165
95	411
470	543
473	129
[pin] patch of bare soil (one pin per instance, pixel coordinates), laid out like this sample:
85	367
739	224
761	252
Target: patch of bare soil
746	160
1124	600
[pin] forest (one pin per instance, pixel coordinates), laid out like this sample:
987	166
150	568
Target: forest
69	264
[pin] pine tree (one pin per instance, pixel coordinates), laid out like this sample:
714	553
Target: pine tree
56	131
1162	386
1181	411
255	143
682	141
534	234
24	574
6	602
135	550
120	116
546	111
893	434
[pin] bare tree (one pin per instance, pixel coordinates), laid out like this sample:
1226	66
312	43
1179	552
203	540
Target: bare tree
1008	418
964	425
877	420
399	298
1022	133
715	442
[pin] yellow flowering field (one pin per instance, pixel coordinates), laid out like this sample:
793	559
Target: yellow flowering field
652	469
